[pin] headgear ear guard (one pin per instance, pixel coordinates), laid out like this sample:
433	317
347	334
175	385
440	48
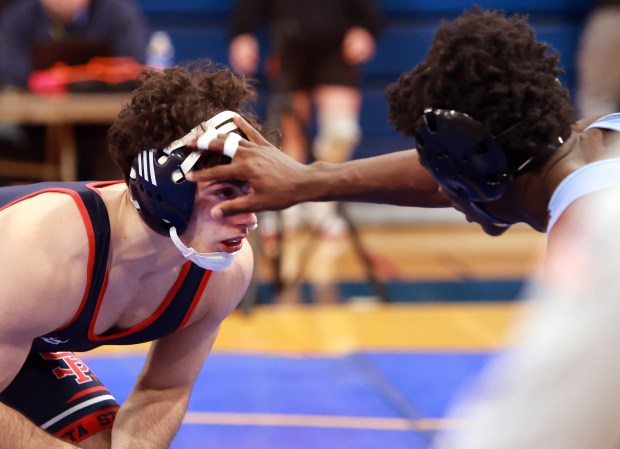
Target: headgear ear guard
161	193
462	155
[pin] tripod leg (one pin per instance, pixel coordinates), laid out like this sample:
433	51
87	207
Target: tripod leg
376	284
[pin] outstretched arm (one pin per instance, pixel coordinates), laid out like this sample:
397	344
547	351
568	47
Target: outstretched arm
276	181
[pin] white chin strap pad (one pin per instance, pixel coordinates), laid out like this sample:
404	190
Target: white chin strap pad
217	261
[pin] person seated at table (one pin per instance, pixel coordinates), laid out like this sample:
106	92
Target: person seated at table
29	27
31	24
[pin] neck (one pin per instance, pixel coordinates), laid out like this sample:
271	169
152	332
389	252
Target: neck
537	189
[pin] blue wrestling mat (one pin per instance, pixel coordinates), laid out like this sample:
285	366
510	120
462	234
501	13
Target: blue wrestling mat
364	400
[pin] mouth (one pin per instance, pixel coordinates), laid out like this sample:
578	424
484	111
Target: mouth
232	245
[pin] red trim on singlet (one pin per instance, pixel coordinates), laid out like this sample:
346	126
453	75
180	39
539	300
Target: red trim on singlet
146	322
91	423
85	392
95	185
197	296
89	233
91	242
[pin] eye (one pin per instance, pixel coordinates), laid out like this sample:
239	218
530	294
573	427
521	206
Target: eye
226	193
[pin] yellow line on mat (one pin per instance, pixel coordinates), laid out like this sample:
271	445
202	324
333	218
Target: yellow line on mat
349	328
341	422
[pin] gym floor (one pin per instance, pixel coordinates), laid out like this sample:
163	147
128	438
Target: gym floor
359	373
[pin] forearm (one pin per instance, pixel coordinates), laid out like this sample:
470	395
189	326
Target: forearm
149	419
20	433
395	178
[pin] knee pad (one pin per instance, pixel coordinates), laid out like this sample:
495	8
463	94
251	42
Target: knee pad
338	134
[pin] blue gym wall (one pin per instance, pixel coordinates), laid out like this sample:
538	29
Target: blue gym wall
199	28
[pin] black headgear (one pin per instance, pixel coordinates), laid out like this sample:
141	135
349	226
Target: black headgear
466	159
159	189
462	155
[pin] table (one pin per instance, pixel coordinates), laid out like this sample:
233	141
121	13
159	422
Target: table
59	113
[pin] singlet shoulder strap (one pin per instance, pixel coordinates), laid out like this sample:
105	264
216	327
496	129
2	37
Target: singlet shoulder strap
611	121
588	179
97	225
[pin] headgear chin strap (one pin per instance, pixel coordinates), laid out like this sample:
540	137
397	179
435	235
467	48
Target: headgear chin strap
216	261
163	196
161	193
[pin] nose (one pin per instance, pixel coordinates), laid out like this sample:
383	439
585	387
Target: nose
246	221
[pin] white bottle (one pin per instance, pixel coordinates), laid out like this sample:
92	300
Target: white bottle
160	52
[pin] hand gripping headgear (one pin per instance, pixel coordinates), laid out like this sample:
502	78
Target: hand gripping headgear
161	193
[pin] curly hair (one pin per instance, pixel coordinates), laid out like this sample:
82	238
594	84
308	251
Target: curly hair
168	104
492	68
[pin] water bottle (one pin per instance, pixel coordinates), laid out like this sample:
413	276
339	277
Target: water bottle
160	52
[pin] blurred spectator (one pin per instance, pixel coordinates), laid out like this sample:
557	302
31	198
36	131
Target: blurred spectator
34	34
5	3
598	89
28	23
315	52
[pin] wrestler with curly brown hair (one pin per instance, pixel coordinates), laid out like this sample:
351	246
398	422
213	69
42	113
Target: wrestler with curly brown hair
120	263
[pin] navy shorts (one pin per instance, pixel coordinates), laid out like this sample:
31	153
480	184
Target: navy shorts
59	393
307	63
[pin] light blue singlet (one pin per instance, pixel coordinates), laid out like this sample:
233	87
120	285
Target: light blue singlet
589	178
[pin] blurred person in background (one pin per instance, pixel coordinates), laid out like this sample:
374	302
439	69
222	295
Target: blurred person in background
313	66
598	71
316	51
118	23
35	34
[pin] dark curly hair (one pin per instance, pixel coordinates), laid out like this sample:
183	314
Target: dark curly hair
492	68
168	104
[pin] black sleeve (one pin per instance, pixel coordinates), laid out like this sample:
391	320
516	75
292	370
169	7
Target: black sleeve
366	14
605	3
246	16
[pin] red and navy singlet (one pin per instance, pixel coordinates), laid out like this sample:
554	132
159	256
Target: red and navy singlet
54	388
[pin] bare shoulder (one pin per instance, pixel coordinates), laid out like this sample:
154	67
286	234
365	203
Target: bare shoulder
44	258
580	125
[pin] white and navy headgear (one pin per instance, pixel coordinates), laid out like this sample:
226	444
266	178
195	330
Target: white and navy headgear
161	193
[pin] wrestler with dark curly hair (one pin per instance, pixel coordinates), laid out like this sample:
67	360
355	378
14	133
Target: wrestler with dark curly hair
491	68
495	137
494	132
87	264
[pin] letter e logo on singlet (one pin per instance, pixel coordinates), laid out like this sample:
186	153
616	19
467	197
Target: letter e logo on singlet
73	366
